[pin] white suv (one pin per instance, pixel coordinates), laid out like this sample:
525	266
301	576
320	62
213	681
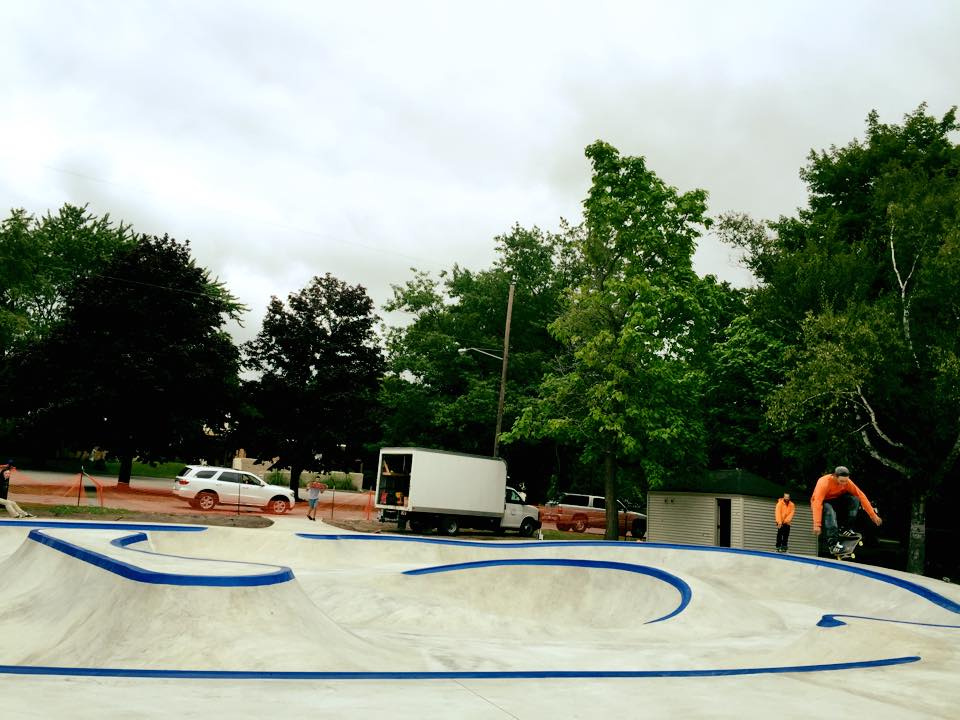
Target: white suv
204	487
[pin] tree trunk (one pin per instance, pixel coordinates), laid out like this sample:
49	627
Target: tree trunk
916	547
610	491
126	468
295	470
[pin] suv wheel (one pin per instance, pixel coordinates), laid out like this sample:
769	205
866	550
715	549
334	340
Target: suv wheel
206	500
579	524
278	506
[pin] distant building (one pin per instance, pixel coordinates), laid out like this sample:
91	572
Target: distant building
726	508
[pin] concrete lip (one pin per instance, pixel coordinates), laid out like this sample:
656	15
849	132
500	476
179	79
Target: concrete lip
121	620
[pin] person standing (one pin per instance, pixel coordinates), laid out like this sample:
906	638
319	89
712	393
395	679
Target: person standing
836	499
784	516
313	496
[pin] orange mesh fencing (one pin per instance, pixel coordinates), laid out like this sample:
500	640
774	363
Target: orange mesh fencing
156	496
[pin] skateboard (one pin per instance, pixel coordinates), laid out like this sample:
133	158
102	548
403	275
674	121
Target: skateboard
849	545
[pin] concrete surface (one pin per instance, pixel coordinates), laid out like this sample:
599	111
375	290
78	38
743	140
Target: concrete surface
303	619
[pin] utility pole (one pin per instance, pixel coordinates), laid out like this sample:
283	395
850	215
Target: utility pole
503	372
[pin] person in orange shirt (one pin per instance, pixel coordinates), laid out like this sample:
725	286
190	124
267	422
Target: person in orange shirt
836	497
784	515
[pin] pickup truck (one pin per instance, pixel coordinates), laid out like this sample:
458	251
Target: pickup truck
577	512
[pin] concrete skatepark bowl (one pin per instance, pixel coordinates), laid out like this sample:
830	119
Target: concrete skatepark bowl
112	620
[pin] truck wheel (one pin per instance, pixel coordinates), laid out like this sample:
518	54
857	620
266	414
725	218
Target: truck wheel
579	524
417	525
449	526
527	527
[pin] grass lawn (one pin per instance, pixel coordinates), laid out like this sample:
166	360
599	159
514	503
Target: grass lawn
111	468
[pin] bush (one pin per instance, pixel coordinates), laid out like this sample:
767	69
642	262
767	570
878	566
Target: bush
337	481
277	477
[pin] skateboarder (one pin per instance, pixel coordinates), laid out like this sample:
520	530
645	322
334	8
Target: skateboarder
784	515
836	498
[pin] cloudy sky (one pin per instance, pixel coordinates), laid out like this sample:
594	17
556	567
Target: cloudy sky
290	139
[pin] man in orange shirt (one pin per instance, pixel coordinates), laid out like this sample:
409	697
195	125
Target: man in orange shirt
783	515
835	497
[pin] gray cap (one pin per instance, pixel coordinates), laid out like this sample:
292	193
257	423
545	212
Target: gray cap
841	470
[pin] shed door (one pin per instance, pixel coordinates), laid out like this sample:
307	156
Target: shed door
723	522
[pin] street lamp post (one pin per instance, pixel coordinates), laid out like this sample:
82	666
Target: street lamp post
503	372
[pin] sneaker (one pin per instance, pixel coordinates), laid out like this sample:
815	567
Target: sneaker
835	549
848	533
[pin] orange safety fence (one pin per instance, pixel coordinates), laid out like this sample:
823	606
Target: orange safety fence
78	488
154	495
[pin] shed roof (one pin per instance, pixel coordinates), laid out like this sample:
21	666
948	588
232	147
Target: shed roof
727	482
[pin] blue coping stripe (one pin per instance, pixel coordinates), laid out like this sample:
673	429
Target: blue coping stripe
276	576
444	674
679	585
912	587
828	621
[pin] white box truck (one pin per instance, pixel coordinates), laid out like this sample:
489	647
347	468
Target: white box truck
449	491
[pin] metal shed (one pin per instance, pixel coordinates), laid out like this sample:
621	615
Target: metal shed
726	508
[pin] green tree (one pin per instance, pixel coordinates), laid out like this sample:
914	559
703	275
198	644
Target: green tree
866	281
436	396
42	259
139	364
626	388
319	364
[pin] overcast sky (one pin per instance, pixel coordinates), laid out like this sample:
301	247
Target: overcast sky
290	139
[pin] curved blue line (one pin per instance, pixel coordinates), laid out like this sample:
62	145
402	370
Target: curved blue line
139	574
911	587
71	525
829	621
127	541
444	675
679	585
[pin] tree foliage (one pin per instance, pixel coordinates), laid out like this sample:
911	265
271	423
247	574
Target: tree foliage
626	387
139	364
863	286
42	258
436	396
319	365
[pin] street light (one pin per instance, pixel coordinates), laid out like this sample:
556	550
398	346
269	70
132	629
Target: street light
503	371
489	352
